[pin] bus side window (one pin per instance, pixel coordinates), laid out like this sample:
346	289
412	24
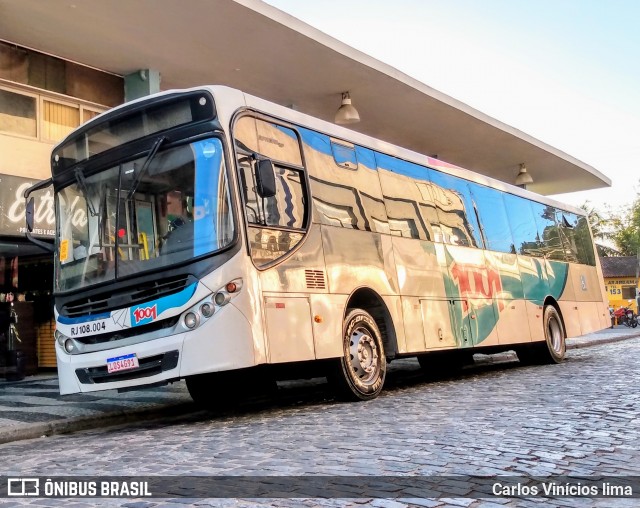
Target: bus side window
275	223
566	227
456	215
287	207
548	231
344	183
523	225
494	222
577	238
407	200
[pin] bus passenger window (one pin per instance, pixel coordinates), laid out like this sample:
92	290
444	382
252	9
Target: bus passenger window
456	215
548	231
523	226
406	200
494	222
344	155
584	242
275	223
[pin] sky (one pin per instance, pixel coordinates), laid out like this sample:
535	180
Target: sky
566	72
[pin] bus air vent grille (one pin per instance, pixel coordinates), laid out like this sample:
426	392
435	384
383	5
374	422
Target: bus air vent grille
315	279
125	297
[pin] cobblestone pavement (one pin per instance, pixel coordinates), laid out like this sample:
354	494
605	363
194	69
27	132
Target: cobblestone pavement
33	407
39	400
580	417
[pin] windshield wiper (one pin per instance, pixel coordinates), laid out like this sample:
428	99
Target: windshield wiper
82	183
145	165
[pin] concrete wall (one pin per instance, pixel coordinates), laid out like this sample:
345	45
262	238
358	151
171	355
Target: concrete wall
25	157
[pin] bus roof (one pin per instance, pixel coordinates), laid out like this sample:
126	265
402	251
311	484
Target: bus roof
285	60
229	101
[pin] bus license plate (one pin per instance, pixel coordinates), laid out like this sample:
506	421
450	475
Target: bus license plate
119	363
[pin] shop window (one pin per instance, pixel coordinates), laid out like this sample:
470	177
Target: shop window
39	117
88	114
628	292
58	120
29	67
18	113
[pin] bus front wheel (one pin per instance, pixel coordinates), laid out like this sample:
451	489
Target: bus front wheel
229	389
360	373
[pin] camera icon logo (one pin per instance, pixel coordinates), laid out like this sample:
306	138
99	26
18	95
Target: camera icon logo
23	487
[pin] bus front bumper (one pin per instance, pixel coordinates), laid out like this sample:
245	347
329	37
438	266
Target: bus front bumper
227	346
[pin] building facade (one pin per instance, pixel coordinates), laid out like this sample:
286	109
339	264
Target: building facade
274	56
42	98
621	281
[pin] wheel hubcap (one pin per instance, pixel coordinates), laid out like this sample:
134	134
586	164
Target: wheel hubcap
555	335
365	360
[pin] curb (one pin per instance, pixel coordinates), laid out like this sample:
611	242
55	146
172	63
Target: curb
65	426
68	425
578	343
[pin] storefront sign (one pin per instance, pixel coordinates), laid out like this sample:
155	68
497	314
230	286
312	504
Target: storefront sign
12	208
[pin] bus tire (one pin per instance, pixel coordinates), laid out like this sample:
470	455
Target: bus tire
443	364
211	391
360	373
554	347
229	389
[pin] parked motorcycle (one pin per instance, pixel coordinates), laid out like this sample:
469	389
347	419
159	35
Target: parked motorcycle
626	317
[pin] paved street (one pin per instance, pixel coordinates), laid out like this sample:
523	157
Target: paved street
580	417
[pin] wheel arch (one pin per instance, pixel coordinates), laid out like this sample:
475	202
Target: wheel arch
370	301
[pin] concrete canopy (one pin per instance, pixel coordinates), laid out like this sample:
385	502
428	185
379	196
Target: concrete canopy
252	46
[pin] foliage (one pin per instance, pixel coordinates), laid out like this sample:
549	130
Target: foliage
602	230
626	230
620	230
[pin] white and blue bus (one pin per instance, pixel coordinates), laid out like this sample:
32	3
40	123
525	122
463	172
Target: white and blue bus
207	235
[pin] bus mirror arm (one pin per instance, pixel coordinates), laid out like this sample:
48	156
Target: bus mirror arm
30	214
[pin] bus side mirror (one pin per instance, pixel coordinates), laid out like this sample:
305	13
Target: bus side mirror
29	214
265	179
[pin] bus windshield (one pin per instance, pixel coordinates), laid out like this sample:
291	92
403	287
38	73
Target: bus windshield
151	212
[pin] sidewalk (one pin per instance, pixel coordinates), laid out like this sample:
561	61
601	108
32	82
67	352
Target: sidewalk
34	408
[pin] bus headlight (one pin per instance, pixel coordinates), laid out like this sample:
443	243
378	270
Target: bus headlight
222	298
206	309
60	337
69	346
190	320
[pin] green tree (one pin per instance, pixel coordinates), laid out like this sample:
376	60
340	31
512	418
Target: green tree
624	229
602	230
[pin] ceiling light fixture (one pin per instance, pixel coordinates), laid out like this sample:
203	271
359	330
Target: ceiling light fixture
346	112
523	179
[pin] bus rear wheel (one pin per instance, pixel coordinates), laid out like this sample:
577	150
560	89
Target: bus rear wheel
360	373
554	336
554	347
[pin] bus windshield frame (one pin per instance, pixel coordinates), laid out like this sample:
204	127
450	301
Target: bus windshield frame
115	129
151	212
